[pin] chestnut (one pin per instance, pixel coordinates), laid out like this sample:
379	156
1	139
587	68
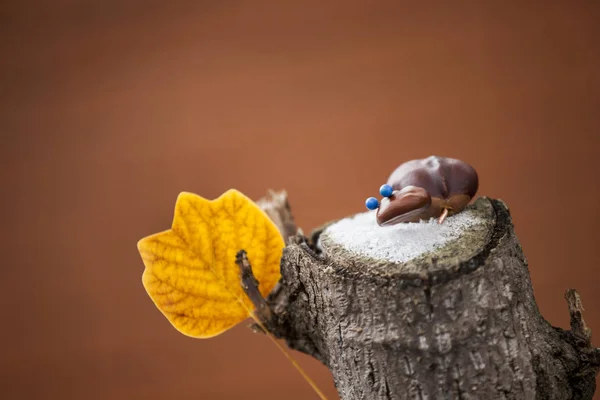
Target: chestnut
431	187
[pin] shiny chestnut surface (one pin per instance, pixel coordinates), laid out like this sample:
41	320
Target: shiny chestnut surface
450	184
410	203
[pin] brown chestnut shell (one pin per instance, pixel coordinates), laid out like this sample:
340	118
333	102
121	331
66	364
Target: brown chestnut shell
406	205
449	183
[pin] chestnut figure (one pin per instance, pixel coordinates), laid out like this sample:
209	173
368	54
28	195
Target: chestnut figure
432	187
410	204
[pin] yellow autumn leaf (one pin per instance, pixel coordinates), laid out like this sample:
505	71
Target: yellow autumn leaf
190	271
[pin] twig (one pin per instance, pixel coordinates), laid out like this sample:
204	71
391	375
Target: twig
589	353
277	207
578	325
250	286
263	315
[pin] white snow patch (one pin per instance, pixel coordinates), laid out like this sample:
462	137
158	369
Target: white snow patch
398	243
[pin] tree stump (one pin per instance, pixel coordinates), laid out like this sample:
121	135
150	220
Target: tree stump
453	317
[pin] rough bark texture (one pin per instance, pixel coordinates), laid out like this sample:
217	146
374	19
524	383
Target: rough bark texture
461	323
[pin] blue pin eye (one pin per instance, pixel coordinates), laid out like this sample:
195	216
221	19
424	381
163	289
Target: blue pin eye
372	203
386	190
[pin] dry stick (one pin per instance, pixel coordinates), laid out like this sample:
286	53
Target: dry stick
443	216
580	329
277	208
263	312
578	325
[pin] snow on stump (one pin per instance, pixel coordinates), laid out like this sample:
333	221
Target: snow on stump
428	311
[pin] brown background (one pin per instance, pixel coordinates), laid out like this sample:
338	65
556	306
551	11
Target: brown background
110	109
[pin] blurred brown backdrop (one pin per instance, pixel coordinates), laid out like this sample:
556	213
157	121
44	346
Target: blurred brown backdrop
109	109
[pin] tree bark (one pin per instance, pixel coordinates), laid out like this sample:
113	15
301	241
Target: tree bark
457	323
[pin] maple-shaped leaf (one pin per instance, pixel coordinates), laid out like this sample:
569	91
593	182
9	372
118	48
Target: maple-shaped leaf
191	274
